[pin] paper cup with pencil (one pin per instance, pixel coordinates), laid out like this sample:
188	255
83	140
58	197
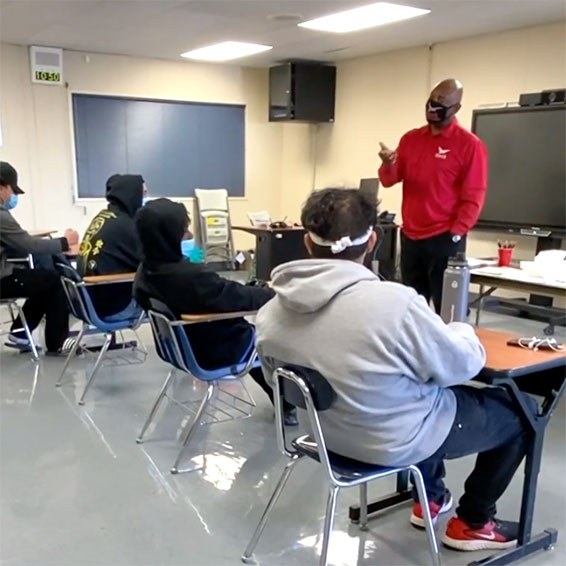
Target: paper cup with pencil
505	251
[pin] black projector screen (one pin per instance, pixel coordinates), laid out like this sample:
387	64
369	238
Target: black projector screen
527	166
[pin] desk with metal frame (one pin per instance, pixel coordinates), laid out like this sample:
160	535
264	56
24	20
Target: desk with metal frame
514	280
95	280
517	370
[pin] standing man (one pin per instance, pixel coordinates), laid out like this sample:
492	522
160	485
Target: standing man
443	168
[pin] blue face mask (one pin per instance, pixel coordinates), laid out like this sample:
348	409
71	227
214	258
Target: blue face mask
145	200
187	246
12	202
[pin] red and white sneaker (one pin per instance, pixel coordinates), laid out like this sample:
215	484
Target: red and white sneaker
436	509
494	535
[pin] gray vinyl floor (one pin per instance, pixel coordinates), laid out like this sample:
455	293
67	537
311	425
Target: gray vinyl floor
76	489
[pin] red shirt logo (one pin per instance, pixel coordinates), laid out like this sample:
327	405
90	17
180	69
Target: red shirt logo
441	153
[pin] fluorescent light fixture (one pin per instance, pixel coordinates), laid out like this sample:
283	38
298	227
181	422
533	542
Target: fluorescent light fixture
225	51
369	16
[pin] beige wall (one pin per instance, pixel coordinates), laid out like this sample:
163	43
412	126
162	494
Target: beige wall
378	99
382	96
37	131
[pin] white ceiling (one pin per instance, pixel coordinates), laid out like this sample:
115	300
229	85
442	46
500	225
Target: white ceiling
166	28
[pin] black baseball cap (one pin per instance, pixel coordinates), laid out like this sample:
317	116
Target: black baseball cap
9	176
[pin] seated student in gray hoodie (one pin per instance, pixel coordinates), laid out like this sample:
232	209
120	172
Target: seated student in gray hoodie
397	369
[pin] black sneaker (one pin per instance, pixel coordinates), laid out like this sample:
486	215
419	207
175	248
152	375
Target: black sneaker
290	418
494	535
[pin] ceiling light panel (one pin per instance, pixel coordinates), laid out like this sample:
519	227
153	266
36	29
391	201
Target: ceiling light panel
225	51
369	16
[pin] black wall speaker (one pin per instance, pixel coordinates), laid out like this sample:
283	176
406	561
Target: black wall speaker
302	92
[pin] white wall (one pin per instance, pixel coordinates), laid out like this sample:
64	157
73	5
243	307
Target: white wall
380	97
38	141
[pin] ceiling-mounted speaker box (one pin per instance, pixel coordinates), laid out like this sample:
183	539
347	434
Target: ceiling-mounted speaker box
302	92
46	65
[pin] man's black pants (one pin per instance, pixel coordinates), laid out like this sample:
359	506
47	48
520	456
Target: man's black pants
487	424
423	263
257	375
45	297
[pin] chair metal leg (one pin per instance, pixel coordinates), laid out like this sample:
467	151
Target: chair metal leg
363	507
164	387
96	366
429	525
479	305
192	428
247	557
141	343
328	524
27	331
71	354
11	309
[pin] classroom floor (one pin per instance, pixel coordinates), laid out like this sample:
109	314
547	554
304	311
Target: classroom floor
76	489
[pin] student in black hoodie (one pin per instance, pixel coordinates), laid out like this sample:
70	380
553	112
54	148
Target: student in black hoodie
186	287
111	245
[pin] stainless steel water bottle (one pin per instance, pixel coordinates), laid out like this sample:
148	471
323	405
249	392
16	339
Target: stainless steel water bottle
455	289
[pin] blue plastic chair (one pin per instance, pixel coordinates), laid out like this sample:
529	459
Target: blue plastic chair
309	390
173	347
82	308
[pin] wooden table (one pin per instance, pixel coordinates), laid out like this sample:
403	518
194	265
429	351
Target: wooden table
42	233
212	317
519	371
112	278
512	361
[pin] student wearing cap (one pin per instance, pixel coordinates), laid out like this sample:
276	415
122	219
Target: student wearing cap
41	287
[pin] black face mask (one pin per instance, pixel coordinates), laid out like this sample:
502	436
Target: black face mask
438	109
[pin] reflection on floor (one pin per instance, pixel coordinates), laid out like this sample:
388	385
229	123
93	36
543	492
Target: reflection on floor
76	489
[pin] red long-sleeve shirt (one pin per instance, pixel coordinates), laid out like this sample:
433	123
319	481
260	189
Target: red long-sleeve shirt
444	180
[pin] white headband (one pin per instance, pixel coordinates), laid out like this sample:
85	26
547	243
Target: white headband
343	243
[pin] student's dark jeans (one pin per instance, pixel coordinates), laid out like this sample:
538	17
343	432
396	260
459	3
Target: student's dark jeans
257	375
45	297
486	423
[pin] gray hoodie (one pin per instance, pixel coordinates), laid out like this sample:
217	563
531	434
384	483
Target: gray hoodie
388	356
